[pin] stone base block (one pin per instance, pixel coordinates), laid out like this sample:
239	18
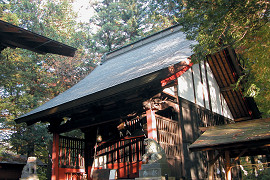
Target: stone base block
153	172
155	178
100	174
31	177
153	165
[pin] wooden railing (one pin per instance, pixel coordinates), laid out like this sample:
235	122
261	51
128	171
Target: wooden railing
207	118
169	136
135	124
124	155
71	152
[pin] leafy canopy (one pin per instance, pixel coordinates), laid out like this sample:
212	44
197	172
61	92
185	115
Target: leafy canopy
28	79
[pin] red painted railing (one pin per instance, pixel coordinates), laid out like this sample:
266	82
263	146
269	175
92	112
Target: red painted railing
125	155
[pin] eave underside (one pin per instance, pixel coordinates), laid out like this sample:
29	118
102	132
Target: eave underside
105	106
16	37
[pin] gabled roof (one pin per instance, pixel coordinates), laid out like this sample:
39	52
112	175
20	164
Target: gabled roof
252	136
14	36
130	67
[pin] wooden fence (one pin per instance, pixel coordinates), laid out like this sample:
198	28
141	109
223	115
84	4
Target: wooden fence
124	155
71	152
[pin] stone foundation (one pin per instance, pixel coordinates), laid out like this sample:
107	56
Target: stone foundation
155	171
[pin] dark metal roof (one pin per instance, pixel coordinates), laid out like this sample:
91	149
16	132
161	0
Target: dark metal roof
14	36
127	68
251	135
226	69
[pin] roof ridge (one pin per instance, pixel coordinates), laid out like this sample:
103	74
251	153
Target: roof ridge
145	40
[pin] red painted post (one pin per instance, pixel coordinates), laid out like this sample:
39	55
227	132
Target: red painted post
151	124
55	157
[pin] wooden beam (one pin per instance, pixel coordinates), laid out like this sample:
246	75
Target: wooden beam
241	154
102	117
201	78
182	159
211	161
211	165
193	85
207	85
234	60
242	119
216	158
228	88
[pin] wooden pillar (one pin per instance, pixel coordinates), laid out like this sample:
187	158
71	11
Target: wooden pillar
228	165
55	157
151	124
211	165
180	120
86	156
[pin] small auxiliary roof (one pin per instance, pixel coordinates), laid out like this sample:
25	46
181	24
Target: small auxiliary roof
14	36
252	136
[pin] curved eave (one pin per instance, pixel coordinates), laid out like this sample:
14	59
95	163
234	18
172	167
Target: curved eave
152	80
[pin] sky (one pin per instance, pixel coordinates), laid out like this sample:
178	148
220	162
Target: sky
84	9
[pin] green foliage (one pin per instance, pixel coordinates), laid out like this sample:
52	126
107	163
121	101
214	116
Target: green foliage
107	19
41	171
76	133
215	24
255	167
18	72
262	175
31	141
28	79
120	22
258	77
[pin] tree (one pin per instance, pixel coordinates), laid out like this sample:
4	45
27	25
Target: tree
34	78
108	35
121	22
28	79
256	53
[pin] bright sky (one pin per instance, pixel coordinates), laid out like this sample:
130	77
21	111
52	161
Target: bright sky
84	9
